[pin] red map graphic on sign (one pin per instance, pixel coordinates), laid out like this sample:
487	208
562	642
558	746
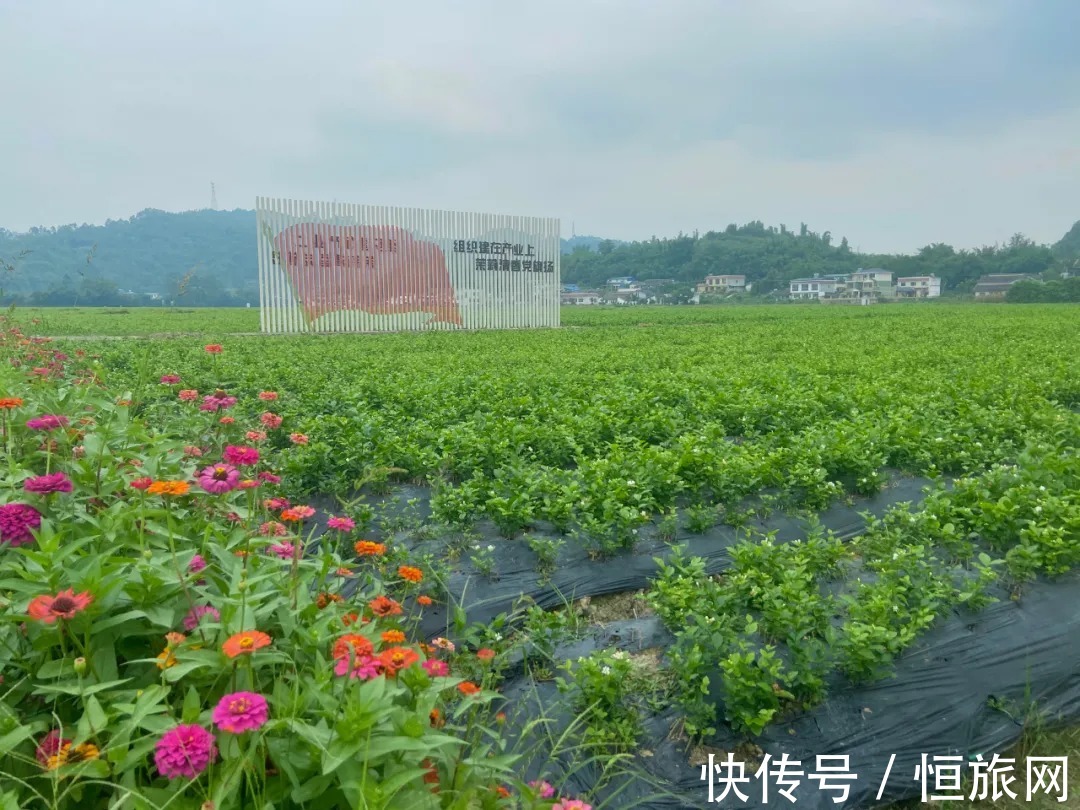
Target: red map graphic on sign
378	269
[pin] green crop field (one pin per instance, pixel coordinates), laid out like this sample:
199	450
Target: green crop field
510	463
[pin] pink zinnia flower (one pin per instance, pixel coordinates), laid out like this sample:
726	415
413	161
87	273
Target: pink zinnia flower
214	348
255	436
219	478
283	550
142	483
241	456
303	512
219	400
48	484
436	668
271	421
298	438
197	564
48	421
232	517
342	524
170	379
273	529
195	615
188	395
571	804
240	712
186	752
268	396
191	451
543	789
249	483
276	503
269	478
364	667
16	522
226	420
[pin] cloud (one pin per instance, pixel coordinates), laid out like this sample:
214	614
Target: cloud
895	123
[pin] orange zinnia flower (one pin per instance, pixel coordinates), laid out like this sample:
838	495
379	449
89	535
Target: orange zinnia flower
9	403
502	791
366	548
169	488
423	600
324	599
246	642
64	605
410	574
393	637
384	606
398	658
468	688
352	618
352	644
485	654
436	718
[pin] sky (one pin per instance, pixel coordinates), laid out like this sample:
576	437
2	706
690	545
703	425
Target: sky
895	123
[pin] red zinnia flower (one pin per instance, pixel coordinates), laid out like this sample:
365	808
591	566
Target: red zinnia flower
384	606
398	658
142	483
485	654
268	396
352	644
468	688
64	605
214	348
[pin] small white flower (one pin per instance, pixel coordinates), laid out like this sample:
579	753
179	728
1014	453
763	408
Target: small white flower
629	482
491	548
1042	489
606	670
619	655
1038	509
498	636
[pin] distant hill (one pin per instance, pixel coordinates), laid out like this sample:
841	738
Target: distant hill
207	258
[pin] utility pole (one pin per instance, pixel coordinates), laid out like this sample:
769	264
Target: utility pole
213	198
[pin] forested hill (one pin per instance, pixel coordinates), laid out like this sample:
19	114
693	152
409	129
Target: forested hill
208	258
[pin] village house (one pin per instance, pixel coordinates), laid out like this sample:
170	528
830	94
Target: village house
723	284
800	289
581	298
995	286
918	287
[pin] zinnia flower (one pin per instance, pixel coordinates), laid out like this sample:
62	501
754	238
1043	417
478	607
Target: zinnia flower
244	643
47	421
48	484
298	438
50	746
324	600
436	717
341	524
393	637
188	395
219	478
169	488
10	403
269	477
423	601
543	789
396	659
240	712
70	755
364	667
384	606
303	511
170	379
285	551
142	483
255	436
214	348
191	451
443	644
268	396
17	520
571	804
468	688
352	644
276	503
226	420
64	605
485	654
366	548
250	483
272	528
271	421
197	564
410	574
436	668
185	752
195	615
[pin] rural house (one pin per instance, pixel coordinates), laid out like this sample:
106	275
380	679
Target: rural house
918	287
996	285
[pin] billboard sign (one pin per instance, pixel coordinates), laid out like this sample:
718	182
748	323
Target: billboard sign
333	267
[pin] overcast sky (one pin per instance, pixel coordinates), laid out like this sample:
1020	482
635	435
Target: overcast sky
896	123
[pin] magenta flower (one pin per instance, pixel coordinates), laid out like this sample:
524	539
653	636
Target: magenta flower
241	456
47	422
269	478
48	484
436	668
543	789
16	522
194	616
283	550
240	712
186	752
217	401
50	746
197	564
170	379
219	478
364	667
342	524
571	804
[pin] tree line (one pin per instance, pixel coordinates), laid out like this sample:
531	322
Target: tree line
208	258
